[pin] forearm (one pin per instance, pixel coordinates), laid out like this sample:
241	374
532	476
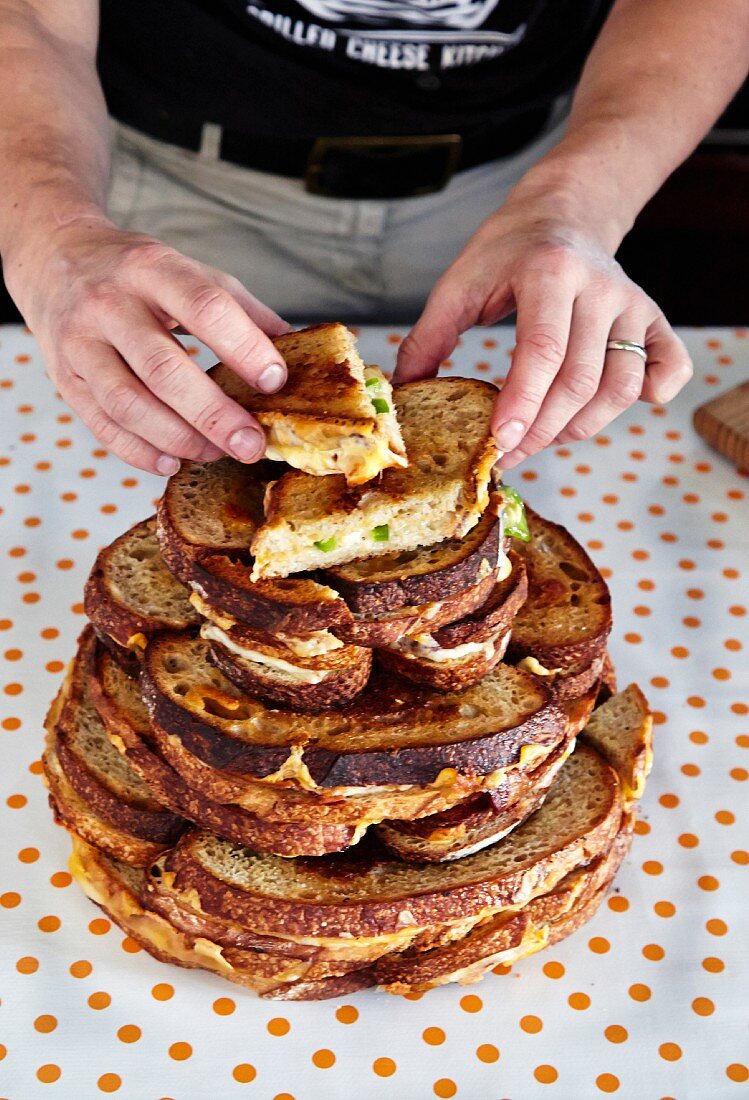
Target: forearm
54	142
659	75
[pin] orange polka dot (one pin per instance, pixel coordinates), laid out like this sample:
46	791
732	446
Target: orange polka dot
579	1001
725	817
739	774
49	1073
278	1026
162	991
109	1082
471	1003
639	992
697	737
531	1024
16	801
652	867
27	965
323	1058
607	1082
244	1073
653	951
487	1052
130	945
688	840
545	1074
13	689
10	900
11	724
680	652
554	970
384	1067
434	1036
599	945
615	1033
45	1024
703	1006
733	644
81	969
716	927
664	908
618	904
99	1000
347	1014
737	1072
708	882
444	1088
129	1033
713	965
633	639
670	1052
99	926
741	857
49	924
180	1052
35	767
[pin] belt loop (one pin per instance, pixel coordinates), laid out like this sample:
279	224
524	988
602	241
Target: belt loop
210	141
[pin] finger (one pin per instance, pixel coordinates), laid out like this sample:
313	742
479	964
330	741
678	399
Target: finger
208	311
544	316
669	367
621	381
128	403
170	374
577	381
118	440
448	312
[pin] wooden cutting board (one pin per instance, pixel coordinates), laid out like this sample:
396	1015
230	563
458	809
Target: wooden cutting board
724	424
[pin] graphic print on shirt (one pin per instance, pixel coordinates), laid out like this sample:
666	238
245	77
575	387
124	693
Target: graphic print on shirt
394	34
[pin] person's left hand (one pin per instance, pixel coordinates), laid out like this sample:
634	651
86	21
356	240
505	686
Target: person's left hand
571	297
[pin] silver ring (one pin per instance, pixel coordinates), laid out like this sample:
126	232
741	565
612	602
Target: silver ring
628	345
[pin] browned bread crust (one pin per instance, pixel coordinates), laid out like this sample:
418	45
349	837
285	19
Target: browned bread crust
607	685
567	617
127	659
498	613
125	719
391	733
426	575
130	591
388	627
447	675
362	893
346	672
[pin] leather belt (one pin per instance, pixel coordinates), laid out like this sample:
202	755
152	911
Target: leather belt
355	167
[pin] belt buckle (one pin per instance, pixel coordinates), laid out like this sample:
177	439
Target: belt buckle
381	167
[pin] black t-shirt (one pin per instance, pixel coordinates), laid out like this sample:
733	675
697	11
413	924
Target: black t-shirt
302	68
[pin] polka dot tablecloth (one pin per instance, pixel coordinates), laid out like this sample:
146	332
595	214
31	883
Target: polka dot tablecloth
648	1001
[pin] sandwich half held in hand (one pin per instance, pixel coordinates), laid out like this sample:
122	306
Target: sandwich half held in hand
334	415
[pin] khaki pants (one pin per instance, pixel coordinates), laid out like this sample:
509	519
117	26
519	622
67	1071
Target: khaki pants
308	257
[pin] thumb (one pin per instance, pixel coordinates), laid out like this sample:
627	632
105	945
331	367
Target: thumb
447	314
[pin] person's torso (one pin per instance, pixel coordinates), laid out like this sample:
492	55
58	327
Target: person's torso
305	67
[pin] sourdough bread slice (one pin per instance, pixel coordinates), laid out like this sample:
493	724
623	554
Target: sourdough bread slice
334	415
265	666
115	888
391	733
363	893
621	730
130	594
566	619
315	523
125	719
475	823
428	574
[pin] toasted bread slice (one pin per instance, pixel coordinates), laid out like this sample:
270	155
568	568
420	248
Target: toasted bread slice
265	666
333	416
621	729
429	574
457	655
391	733
315	523
365	894
567	617
205	523
93	787
115	888
475	823
578	711
130	595
607	685
125	719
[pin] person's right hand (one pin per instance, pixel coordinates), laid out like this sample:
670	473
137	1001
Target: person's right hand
103	306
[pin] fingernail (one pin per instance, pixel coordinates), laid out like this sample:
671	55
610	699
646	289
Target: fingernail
272	378
508	435
247	444
167	465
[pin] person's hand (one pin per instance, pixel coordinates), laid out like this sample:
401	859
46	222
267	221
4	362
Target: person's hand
103	306
571	297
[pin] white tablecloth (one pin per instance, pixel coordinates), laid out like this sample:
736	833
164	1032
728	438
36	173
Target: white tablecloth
648	1000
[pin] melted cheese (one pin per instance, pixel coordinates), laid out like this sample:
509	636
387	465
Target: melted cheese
137	642
213	633
220	618
423	647
530	664
314	644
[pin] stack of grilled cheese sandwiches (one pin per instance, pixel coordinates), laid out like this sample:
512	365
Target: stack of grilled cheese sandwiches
346	717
